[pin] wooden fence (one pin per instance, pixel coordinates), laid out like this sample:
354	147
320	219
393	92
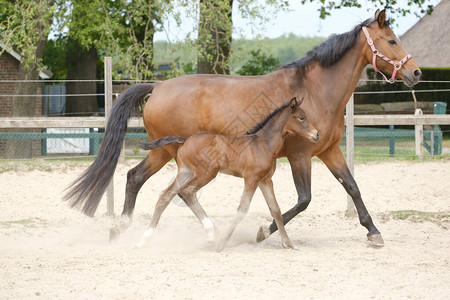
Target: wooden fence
418	120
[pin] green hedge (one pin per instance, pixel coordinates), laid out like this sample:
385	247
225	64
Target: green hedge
429	74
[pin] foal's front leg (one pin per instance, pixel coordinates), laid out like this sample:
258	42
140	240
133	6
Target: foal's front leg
246	198
266	187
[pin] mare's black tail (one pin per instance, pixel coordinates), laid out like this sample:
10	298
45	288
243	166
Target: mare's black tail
167	140
86	192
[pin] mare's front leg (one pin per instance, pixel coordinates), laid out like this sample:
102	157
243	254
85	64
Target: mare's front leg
136	177
301	172
266	187
335	161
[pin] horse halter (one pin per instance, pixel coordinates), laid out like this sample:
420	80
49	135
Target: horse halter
375	52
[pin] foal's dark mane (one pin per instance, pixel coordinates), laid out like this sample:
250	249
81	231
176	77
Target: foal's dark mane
263	123
333	49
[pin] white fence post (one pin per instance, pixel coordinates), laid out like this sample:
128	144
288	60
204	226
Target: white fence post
108	106
350	150
419	135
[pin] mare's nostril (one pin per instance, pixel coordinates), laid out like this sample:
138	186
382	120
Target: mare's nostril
417	73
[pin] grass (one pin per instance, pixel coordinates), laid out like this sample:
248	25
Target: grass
32	222
40	164
416	216
372	154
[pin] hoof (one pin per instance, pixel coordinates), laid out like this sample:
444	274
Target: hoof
140	245
220	247
263	233
289	246
375	240
113	234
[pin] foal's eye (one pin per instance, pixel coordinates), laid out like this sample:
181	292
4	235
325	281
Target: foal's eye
301	118
392	42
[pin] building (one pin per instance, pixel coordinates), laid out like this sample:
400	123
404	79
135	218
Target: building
428	41
9	68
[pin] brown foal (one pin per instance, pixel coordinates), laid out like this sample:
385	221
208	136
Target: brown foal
251	156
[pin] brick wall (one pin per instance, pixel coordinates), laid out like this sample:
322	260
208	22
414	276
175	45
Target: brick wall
9	67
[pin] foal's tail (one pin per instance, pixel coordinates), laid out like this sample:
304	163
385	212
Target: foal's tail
167	140
86	192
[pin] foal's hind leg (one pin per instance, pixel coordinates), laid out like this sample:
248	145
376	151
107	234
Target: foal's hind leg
161	205
266	187
136	177
247	195
192	202
188	193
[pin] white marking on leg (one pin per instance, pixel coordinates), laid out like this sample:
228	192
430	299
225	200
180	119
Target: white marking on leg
145	238
209	227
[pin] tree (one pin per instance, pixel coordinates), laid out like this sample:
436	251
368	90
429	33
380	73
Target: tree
122	29
259	64
214	36
24	27
81	58
394	8
215	23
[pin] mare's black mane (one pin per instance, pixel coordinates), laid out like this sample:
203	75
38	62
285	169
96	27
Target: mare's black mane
333	49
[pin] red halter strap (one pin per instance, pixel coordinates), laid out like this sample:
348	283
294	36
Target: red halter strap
375	52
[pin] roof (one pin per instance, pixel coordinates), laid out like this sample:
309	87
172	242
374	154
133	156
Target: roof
46	74
428	41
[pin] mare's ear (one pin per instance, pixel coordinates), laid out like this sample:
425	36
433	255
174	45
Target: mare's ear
293	103
300	101
381	18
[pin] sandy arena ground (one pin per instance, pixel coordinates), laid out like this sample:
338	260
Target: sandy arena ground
49	251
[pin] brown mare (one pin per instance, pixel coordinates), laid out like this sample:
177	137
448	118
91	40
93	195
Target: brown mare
326	76
251	156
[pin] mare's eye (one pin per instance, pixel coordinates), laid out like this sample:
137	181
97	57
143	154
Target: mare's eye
392	42
301	118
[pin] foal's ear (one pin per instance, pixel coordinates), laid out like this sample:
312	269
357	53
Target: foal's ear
300	101
377	13
293	103
381	18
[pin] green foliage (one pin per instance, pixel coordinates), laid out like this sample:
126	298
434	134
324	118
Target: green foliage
259	64
284	49
55	57
23	24
124	28
211	37
392	7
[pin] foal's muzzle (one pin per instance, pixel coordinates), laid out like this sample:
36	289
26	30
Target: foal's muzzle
315	137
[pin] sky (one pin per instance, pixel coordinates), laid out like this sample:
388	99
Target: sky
303	20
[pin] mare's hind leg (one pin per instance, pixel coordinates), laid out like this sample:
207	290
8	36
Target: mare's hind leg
335	161
266	187
136	177
246	198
